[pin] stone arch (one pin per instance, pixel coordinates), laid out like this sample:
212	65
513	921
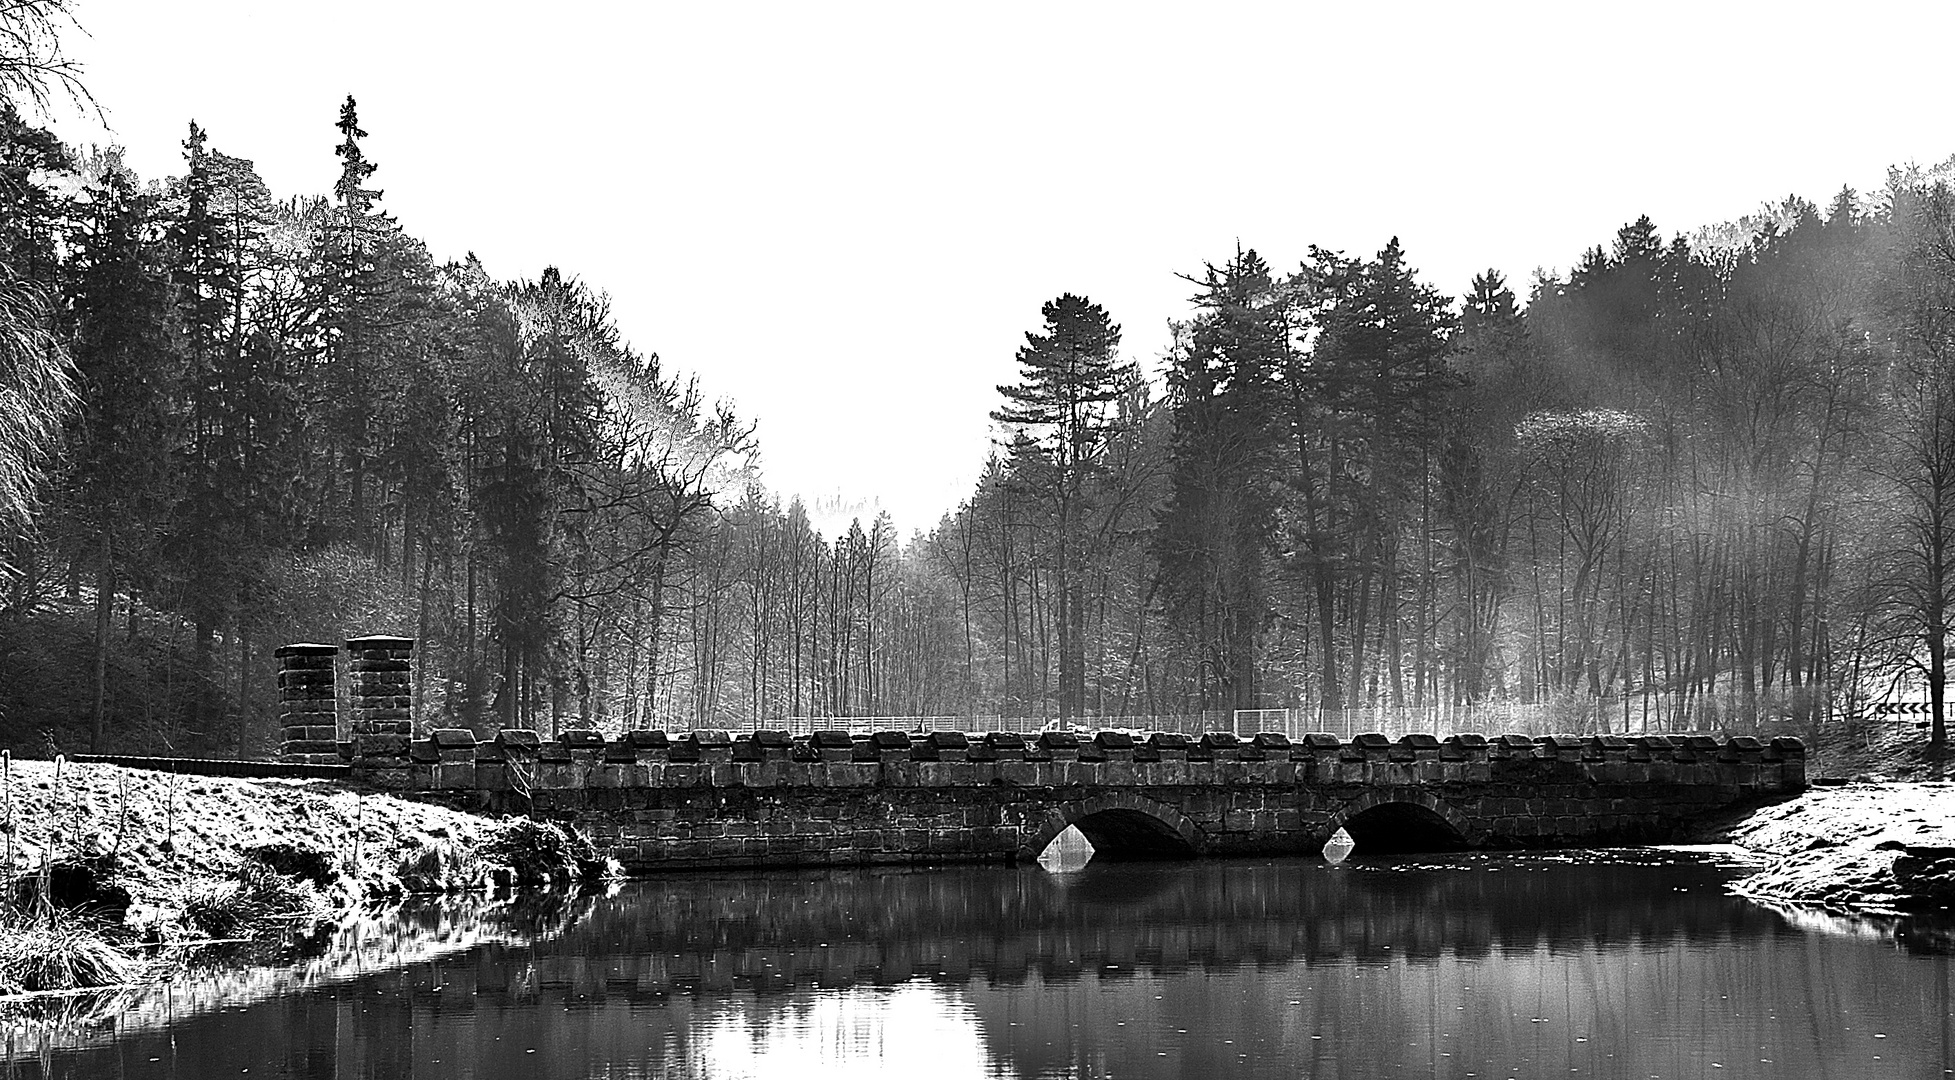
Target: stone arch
1402	819
1120	825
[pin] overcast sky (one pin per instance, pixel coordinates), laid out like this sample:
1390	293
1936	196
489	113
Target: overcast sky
844	217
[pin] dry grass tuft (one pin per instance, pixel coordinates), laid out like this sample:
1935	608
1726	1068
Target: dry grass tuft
53	951
255	901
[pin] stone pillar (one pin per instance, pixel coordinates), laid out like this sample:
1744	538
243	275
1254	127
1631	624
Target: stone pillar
308	716
380	669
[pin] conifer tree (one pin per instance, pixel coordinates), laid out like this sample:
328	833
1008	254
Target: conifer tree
1213	540
355	282
123	329
1070	377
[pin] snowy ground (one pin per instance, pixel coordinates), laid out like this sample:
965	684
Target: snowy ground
1882	846
169	830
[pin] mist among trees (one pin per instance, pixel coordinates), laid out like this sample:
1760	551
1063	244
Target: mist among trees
1701	478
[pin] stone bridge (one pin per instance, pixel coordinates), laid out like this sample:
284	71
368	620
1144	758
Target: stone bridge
714	799
710	799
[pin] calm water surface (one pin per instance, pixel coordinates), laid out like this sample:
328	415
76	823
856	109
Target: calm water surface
1616	964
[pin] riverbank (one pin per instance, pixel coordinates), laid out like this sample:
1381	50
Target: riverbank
1866	845
99	856
165	831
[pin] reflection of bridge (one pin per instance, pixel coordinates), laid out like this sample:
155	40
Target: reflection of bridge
774	931
638	983
769	799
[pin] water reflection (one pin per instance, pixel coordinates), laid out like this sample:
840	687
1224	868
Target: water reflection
1633	964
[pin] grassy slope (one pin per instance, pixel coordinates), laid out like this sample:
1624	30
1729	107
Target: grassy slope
214	818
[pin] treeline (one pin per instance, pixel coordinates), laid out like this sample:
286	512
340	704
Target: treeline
1706	480
1696	478
294	424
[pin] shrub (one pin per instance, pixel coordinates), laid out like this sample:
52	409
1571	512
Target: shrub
61	952
541	853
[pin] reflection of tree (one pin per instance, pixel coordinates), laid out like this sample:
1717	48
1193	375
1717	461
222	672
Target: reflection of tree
1224	968
379	939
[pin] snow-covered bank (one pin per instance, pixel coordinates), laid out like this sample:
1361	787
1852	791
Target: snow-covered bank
1870	846
168	831
109	862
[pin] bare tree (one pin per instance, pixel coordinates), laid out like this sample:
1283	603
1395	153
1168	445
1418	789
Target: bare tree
33	66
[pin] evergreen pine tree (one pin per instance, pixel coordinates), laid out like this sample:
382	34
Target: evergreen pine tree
1070	377
1213	540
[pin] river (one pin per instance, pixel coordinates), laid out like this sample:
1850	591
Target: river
1565	964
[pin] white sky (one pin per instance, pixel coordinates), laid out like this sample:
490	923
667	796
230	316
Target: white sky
844	216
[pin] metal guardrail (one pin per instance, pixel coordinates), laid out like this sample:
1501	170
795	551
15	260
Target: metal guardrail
219	767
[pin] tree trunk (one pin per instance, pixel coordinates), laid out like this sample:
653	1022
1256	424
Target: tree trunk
655	630
104	608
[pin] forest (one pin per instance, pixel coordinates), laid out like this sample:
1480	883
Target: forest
1697	480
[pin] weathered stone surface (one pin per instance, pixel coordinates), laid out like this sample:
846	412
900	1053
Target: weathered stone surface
385	726
709	799
518	739
300	733
367	746
450	738
1059	742
380	641
1167	742
313	676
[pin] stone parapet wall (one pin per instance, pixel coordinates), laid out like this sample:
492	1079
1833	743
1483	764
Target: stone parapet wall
453	759
711	798
765	798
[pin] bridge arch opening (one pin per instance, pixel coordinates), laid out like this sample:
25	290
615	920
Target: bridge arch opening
1124	834
1119	828
1399	828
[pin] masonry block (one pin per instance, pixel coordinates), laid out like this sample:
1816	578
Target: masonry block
1322	742
1004	745
1219	742
1423	746
1059	743
1511	746
941	746
1169	746
773	739
380	746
